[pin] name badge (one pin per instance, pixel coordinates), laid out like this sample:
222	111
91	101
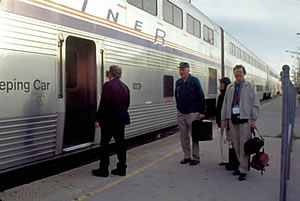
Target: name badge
235	110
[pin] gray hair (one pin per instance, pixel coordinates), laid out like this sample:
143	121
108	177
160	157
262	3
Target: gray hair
115	71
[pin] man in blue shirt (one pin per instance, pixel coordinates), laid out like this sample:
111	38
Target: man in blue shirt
191	105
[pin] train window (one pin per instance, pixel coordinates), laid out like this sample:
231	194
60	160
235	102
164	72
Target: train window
172	14
243	56
238	51
168	86
197	28
189	24
149	6
212	81
208	34
247	58
177	16
193	26
231	48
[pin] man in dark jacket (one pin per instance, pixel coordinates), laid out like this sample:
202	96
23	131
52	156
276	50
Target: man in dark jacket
112	116
191	105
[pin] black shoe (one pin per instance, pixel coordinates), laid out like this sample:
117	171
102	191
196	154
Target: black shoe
242	176
236	172
194	162
185	161
222	164
118	172
230	167
100	173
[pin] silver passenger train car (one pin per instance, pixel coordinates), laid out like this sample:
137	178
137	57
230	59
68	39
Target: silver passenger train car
54	55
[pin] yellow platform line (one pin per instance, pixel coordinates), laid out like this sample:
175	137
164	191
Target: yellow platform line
112	184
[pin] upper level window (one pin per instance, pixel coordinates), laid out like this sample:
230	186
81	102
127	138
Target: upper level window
172	14
208	34
231	48
147	5
247	58
238	52
243	56
193	26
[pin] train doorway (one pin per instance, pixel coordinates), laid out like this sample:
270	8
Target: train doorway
81	93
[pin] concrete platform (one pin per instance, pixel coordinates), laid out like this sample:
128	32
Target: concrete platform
155	174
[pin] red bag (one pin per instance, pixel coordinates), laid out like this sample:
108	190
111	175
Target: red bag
260	161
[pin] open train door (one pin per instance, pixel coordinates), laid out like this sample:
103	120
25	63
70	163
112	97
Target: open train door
80	93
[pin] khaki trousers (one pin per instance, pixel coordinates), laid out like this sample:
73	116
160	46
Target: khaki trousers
239	134
185	128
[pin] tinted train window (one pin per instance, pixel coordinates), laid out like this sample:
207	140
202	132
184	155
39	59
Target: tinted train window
231	48
150	6
147	5
193	26
172	14
212	81
238	51
243	56
168	86
247	58
208	34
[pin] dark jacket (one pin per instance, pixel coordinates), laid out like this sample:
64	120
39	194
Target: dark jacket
189	96
219	107
114	103
226	82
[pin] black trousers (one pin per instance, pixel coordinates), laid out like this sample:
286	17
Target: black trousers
117	132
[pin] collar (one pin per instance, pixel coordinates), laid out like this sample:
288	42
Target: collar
242	81
187	80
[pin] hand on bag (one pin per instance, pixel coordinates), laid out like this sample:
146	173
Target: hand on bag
97	124
201	116
253	124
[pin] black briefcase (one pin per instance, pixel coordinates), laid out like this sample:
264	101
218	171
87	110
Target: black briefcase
202	130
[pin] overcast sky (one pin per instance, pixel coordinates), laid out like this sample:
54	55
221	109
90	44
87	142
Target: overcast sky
266	27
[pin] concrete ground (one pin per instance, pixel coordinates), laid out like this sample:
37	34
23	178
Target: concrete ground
154	173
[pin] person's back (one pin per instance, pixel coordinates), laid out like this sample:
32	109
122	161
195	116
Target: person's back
112	116
114	103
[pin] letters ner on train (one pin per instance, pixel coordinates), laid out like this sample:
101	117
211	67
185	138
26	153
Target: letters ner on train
54	55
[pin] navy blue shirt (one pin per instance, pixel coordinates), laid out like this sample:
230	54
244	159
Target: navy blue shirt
189	96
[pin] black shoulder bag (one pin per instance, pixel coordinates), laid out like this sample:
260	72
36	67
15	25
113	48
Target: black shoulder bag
254	144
